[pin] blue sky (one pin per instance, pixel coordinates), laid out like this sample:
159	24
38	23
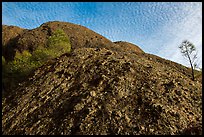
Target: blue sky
157	27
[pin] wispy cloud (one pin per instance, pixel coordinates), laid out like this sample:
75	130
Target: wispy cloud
157	27
187	25
32	14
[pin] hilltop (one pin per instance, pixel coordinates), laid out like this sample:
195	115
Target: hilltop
25	39
101	87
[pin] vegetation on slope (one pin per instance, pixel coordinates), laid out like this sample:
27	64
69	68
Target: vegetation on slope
24	63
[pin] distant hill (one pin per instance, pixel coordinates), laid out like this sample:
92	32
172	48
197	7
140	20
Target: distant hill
101	87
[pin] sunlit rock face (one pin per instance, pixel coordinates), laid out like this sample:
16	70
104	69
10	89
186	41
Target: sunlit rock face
104	91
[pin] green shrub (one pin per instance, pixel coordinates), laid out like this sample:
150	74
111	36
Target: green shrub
23	63
20	63
15	71
40	55
59	43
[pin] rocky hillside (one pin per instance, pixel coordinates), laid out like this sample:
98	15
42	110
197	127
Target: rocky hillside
112	88
31	39
9	33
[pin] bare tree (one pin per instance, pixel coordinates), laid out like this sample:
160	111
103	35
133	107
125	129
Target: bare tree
189	51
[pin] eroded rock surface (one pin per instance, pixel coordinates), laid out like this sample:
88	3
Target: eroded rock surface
101	91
